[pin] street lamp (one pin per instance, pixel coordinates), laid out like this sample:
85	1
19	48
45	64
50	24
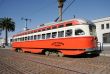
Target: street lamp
26	20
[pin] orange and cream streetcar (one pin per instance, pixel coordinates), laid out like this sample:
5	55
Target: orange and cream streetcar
69	37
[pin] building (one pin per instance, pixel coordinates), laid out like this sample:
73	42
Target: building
103	30
2	41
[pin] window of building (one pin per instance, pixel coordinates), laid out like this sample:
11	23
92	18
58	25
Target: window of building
68	32
79	32
107	25
102	26
106	38
54	34
61	34
48	35
69	24
43	36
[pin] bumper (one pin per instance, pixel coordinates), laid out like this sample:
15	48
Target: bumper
93	51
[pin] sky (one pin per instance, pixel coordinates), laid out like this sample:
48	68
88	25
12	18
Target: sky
45	11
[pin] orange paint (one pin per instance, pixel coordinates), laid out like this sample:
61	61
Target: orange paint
67	46
32	50
72	52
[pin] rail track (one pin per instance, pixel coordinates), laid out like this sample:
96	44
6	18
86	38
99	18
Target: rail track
7	69
53	65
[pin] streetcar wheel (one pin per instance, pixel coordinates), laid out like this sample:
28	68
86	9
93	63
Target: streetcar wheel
60	54
19	50
47	53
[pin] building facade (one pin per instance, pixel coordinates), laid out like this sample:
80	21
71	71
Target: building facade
2	41
103	30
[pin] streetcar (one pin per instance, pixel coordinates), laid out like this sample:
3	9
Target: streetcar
68	37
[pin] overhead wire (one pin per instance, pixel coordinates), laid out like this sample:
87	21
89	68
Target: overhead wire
68	6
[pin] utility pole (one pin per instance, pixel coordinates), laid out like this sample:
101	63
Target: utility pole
60	6
26	20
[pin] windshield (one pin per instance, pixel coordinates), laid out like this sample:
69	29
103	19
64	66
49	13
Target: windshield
92	29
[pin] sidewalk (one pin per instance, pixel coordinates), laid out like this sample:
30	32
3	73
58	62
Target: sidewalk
6	48
105	53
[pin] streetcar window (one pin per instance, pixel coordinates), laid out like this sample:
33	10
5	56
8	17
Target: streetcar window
43	36
48	35
20	39
54	34
15	40
92	29
11	40
61	34
68	32
60	26
69	24
79	32
54	27
25	38
39	37
35	37
28	37
31	37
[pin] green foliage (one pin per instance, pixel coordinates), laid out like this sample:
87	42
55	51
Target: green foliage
7	23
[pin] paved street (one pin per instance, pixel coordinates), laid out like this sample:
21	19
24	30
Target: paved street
27	63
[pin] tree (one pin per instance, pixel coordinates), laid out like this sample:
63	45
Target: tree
7	25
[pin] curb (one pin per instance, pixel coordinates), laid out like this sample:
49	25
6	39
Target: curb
107	55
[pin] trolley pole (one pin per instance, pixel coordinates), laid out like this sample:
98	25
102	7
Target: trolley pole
26	20
60	7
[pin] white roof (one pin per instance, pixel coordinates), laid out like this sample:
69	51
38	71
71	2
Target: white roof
101	19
